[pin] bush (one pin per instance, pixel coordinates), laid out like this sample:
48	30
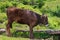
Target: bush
4	5
3	17
54	23
57	12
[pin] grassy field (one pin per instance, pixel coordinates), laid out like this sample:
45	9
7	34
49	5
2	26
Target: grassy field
19	38
2	37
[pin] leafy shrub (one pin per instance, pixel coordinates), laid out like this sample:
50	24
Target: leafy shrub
4	5
3	17
49	7
57	12
54	23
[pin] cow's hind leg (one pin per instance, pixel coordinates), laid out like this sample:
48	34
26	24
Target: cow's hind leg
8	26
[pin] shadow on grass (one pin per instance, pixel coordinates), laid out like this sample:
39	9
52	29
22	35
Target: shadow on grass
42	35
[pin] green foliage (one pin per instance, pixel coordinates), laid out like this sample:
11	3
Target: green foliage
5	4
51	7
39	3
42	35
54	23
2	37
2	17
57	12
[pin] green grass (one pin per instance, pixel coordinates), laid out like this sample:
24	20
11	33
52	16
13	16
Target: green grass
24	36
2	37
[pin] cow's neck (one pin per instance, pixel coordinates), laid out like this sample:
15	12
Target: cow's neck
38	19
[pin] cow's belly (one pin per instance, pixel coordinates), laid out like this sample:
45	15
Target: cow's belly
22	21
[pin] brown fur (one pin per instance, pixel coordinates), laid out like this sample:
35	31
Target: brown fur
23	16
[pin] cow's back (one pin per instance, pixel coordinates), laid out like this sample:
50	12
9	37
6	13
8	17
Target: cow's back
21	15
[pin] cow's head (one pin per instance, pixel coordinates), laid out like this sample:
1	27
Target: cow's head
44	20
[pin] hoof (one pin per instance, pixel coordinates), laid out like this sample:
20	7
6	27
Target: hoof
31	37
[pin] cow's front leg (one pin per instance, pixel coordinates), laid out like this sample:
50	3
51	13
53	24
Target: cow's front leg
31	33
9	25
31	26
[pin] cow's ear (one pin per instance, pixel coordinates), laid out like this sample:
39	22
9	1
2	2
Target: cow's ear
43	14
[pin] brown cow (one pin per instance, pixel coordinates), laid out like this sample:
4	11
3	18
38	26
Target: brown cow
23	16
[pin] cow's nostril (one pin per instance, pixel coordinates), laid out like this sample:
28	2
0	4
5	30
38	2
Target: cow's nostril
47	25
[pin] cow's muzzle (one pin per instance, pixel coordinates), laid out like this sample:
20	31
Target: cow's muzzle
47	25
